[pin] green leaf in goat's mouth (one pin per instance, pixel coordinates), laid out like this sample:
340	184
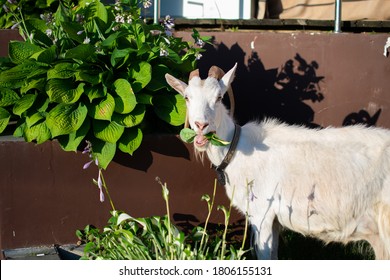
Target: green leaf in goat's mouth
188	135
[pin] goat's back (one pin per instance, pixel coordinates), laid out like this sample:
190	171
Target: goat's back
317	182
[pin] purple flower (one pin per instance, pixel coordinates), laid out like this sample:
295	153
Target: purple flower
85	166
88	150
100	185
168	25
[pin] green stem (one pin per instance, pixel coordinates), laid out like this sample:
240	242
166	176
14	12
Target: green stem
210	206
227	218
23	27
107	192
246	216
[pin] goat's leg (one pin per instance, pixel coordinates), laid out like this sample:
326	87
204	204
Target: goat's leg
265	235
377	246
383	250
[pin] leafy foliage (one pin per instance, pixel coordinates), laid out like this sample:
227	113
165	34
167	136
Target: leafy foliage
156	238
95	72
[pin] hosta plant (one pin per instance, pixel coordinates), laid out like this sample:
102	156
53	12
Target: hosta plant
93	72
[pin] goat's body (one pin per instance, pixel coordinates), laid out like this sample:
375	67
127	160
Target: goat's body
333	184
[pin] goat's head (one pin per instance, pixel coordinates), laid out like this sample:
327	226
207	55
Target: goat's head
204	100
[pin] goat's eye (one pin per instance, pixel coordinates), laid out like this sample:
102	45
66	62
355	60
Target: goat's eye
186	98
219	98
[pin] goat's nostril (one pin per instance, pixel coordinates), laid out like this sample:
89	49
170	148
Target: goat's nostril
201	126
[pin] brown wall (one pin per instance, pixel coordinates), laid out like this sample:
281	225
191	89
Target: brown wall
46	195
7	35
318	79
312	78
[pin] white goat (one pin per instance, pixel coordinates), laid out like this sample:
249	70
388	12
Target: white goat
333	183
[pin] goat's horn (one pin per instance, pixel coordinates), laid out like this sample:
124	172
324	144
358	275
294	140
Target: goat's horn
216	72
194	73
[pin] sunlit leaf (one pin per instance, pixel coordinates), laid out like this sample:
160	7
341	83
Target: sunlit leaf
66	118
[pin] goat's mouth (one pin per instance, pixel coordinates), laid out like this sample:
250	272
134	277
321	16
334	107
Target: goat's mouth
201	141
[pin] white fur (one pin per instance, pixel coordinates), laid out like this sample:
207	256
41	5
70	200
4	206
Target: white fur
333	183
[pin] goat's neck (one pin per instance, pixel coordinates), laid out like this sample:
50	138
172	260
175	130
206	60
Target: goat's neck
224	131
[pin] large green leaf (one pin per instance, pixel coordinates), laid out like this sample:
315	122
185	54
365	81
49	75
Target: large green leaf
104	152
19	131
66	118
132	119
20	51
63	91
102	110
110	41
47	55
125	100
23	104
130	140
93	77
170	108
38	132
96	9
16	76
34	118
107	131
81	52
174	56
38	84
97	91
62	70
4	119
7	97
71	141
141	74
119	56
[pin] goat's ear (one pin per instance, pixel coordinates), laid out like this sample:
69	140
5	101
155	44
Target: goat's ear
178	85
228	78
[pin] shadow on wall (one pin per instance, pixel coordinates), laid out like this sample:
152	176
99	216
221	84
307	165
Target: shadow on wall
283	93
